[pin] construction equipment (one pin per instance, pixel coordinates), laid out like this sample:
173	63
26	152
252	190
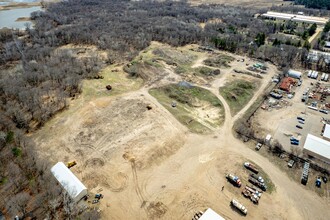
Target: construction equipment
239	206
234	180
71	164
251	167
98	196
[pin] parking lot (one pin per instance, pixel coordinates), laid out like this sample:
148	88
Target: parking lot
287	128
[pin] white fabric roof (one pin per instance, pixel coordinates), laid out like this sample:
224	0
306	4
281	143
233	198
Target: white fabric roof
326	132
317	146
209	214
68	180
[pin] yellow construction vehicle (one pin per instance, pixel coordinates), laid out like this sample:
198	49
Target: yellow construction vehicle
71	164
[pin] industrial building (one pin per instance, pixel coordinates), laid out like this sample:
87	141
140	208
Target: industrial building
314	56
287	84
317	148
295	17
69	181
326	132
209	214
294	74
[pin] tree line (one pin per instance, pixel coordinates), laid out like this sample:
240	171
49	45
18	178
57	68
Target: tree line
318	4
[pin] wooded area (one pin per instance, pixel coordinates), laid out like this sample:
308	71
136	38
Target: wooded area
319	4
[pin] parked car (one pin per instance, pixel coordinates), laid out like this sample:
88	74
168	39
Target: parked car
325	179
258	146
291	163
301	122
293	139
318	182
300	118
298	126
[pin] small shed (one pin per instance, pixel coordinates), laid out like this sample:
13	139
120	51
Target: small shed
209	214
294	74
69	181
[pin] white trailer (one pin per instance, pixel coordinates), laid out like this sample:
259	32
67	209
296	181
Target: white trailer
309	73
323	76
313	74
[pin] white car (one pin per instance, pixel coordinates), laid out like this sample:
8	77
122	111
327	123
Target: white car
290	163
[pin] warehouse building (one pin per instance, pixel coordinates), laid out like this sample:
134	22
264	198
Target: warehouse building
317	148
294	74
326	132
295	17
69	181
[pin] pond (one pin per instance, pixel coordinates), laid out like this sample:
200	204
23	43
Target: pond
8	17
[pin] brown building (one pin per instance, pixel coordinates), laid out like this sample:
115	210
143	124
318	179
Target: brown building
287	83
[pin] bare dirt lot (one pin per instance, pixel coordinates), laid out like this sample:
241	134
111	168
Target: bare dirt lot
149	166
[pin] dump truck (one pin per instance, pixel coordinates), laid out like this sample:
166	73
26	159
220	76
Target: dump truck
257	183
251	167
234	180
239	206
71	164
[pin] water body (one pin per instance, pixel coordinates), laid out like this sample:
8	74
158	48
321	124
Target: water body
8	17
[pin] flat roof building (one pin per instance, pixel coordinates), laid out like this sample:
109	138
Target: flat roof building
317	148
296	17
209	214
69	181
326	132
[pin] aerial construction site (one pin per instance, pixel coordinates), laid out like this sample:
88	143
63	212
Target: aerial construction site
172	110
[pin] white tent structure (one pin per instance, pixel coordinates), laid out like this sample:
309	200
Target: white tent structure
294	74
209	214
69	181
